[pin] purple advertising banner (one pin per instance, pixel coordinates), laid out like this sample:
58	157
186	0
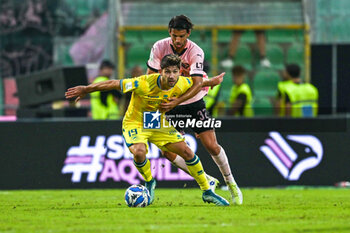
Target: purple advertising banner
92	154
110	159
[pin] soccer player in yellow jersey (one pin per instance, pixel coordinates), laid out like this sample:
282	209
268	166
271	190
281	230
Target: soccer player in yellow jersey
144	123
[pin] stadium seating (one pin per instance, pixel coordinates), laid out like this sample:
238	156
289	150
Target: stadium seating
137	54
265	83
264	88
244	56
200	36
225	89
295	54
284	36
248	37
150	37
207	49
133	36
224	36
275	54
224	98
262	106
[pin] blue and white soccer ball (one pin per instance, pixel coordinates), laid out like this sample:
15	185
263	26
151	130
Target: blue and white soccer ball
137	195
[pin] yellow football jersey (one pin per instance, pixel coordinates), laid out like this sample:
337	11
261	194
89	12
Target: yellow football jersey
147	95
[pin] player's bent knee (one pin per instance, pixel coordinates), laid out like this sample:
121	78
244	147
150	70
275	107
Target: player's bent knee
213	149
139	153
170	155
139	158
188	154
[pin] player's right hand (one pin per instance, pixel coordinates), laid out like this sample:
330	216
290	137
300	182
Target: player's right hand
78	91
169	104
216	80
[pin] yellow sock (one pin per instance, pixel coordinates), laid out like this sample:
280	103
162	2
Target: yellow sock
145	169
196	170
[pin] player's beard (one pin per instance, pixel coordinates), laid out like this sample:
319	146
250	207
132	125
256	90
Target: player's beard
179	45
171	83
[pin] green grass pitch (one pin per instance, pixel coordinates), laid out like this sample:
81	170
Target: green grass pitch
175	210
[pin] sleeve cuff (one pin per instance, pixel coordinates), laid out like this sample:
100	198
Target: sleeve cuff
151	68
121	85
200	75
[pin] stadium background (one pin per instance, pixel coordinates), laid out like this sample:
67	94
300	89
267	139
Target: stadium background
39	35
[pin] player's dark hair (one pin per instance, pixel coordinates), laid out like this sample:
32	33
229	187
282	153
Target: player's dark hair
106	64
170	60
238	70
180	22
293	70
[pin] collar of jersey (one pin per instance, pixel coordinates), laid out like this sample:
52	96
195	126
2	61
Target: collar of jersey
174	51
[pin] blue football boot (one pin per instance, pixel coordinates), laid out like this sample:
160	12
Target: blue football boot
211	197
151	186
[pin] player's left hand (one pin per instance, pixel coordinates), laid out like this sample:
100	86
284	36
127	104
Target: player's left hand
166	107
216	80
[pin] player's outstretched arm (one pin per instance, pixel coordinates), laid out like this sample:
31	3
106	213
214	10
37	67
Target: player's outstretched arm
216	80
198	83
173	102
81	91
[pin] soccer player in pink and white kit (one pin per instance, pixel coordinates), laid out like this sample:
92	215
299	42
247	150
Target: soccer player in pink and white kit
191	103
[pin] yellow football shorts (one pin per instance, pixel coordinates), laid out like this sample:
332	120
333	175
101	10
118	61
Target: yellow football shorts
160	137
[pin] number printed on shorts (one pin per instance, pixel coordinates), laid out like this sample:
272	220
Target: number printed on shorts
132	132
203	114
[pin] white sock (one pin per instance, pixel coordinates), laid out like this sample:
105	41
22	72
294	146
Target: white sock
222	162
180	163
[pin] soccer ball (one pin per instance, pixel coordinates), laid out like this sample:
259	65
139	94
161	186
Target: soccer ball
137	195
